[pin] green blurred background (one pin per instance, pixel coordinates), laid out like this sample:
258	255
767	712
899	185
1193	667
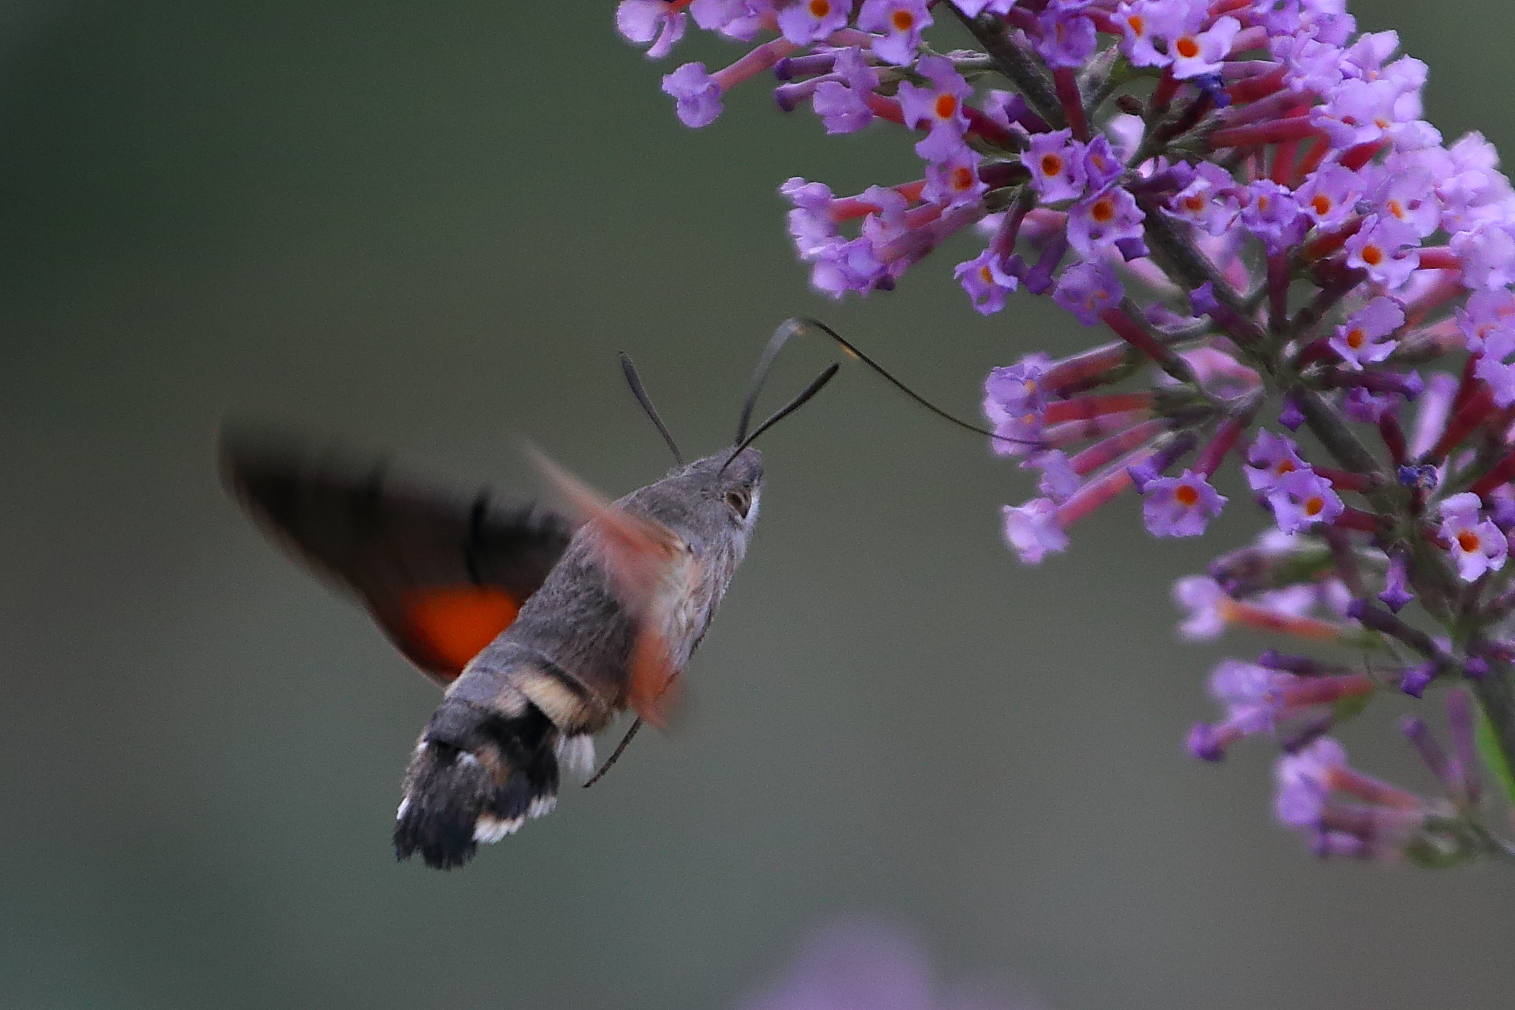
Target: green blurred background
428	228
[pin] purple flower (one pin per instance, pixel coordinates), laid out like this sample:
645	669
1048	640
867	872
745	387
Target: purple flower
855	964
1368	334
1056	162
1495	367
1067	36
810	21
1059	480
985	280
697	95
1341	811
1014	402
1330	195
955	181
842	103
1143	24
1209	201
648	21
1302	499
1032	530
1476	545
810	222
1197	53
1180	506
901	22
1271	213
1270	458
939	108
1396	592
1204	600
1095	225
1385	248
1102	165
973	8
1087	289
735	19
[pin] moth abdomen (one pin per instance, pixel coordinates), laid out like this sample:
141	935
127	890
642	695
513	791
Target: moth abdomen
476	776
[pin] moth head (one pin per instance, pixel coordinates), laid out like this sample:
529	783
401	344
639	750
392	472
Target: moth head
710	503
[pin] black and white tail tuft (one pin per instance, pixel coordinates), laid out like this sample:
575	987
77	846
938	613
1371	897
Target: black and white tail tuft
476	776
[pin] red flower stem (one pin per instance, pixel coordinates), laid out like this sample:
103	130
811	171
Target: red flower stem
1226	434
1346	480
1254	616
1371	790
1101	453
1439	258
1057	436
1092	406
851	207
1283	162
1066	83
1327	689
1254	88
1360	155
1275	132
885	108
1446	286
1223	7
1500	473
1314	351
1137	336
1162	94
1099	490
755	62
1085	367
1311	160
1466	385
1322	246
1473	413
1393	438
1363	522
1278	290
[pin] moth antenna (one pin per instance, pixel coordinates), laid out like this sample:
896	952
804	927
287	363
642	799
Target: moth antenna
635	382
787	329
858	355
783	412
615	755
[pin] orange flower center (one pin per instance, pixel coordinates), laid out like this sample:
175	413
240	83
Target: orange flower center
903	20
962	179
1138	24
1315	506
1320	203
1194	204
1052	164
1468	541
1356	338
1103	210
1186	496
820	8
946	106
1372	255
1187	47
1287	466
1397	209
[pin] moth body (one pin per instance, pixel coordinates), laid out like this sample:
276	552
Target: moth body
611	627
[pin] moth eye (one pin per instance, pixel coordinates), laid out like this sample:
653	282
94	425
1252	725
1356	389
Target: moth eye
739	502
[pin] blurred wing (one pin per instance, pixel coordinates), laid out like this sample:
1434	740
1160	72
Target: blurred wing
650	567
441	574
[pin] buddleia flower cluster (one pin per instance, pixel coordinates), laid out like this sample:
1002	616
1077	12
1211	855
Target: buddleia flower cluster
1295	276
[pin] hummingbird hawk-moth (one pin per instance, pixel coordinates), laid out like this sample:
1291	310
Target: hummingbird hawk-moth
541	627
